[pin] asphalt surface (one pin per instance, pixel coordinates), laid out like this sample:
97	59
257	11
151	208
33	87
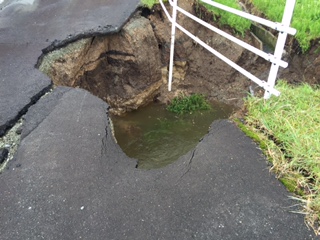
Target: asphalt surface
70	180
29	30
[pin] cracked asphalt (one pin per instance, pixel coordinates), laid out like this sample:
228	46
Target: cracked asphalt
70	180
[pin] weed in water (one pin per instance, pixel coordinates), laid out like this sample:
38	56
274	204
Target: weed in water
188	104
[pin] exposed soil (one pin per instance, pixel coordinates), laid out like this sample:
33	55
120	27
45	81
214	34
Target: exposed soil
304	67
130	69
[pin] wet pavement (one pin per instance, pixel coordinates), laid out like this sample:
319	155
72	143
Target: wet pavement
70	180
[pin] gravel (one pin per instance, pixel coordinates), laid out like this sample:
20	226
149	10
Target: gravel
10	142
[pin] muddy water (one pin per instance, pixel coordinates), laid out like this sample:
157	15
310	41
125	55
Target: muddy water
157	137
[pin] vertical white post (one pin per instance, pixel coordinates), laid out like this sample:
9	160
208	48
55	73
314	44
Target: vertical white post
286	20
173	34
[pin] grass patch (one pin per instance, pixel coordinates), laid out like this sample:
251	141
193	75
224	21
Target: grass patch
306	18
150	3
239	24
291	185
188	104
290	127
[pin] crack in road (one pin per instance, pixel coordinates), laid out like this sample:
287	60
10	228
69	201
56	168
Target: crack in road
188	166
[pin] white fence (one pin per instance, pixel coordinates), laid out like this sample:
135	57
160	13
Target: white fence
275	59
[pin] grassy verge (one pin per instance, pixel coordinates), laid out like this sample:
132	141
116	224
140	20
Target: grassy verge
289	127
306	18
240	24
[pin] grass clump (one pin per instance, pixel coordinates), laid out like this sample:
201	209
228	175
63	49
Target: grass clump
290	127
239	24
188	104
306	18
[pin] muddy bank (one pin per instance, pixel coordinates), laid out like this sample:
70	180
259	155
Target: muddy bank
122	69
129	69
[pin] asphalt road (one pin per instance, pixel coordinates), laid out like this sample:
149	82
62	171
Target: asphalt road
70	180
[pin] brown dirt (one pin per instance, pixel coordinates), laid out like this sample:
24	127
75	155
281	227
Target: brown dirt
304	67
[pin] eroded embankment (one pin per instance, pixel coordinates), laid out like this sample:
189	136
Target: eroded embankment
129	69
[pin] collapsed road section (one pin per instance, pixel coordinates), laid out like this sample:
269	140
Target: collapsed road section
70	180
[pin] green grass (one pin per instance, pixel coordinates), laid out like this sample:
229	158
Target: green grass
188	104
290	127
306	18
240	24
150	3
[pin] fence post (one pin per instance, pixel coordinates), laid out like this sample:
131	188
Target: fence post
173	34
286	20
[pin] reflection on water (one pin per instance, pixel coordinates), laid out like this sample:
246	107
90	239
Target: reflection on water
157	137
7	3
11	2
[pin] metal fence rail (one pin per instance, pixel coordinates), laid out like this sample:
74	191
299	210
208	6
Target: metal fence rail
275	59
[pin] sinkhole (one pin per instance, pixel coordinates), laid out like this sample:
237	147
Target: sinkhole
129	71
158	137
